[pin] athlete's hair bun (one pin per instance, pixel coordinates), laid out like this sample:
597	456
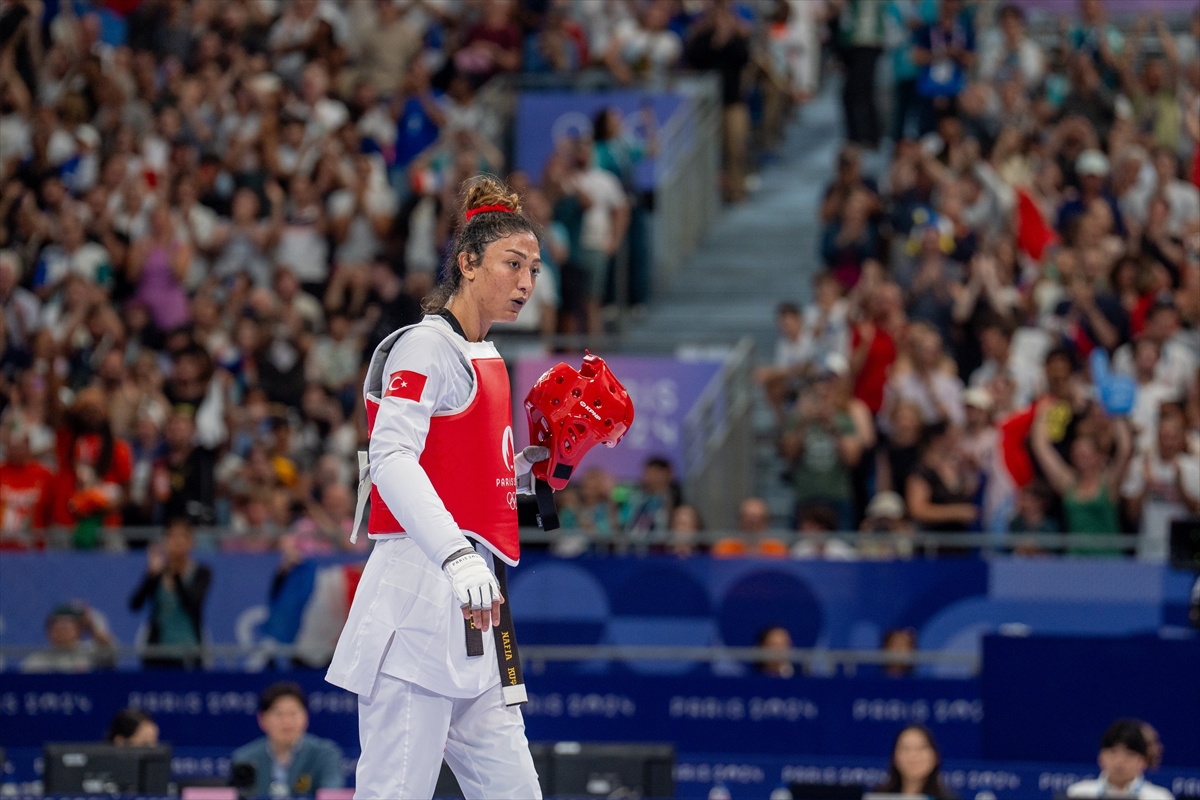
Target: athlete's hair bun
488	190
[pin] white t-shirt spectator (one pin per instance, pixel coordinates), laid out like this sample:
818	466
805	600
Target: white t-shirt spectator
659	50
1162	501
1144	415
606	195
997	58
1028	383
91	261
824	335
361	243
1176	366
789	353
940	398
1183	199
334	364
1100	787
302	247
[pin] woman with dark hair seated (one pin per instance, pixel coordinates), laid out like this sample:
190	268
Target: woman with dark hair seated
916	767
132	728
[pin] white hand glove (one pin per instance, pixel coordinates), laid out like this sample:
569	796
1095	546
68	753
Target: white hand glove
473	583
523	464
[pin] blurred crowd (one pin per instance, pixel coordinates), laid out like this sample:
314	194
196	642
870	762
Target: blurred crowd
1006	333
211	213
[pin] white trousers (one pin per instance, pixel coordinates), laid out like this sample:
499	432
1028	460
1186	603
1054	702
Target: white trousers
405	731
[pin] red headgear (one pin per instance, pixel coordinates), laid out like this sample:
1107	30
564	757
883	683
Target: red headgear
571	412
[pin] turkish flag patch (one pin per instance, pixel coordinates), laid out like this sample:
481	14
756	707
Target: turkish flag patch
405	385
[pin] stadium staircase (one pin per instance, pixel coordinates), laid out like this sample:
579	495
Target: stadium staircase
759	253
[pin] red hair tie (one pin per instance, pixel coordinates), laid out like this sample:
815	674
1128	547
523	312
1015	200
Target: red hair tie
483	209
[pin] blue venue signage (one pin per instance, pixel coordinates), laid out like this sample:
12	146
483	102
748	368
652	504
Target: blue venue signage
547	120
951	603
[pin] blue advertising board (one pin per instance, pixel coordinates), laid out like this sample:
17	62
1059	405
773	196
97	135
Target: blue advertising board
751	734
1034	684
543	119
753	715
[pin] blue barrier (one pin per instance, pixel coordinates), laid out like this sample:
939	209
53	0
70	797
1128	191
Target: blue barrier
1034	686
844	726
951	603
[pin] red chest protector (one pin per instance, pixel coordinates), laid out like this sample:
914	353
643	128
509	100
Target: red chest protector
468	456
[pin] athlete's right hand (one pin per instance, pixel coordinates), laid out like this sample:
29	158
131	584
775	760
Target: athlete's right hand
475	587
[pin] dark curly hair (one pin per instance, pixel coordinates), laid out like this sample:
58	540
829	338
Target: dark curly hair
480	231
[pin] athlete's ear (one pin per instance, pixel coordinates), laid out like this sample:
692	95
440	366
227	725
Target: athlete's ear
466	267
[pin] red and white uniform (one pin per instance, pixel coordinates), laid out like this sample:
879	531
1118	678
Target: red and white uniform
441	465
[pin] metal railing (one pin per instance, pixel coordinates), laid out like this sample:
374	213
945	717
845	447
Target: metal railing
254	658
900	544
686	197
718	440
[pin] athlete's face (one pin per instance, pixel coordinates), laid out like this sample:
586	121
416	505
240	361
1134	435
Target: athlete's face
503	281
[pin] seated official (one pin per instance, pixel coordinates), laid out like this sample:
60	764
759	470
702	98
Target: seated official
287	761
132	727
1124	756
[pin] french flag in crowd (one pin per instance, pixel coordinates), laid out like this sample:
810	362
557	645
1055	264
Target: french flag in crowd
309	605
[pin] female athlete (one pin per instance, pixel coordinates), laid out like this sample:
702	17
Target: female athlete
442	480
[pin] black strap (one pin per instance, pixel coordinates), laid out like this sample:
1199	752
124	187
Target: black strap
453	320
547	512
474	637
507	655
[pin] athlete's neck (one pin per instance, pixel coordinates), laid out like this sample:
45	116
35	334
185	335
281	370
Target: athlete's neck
474	323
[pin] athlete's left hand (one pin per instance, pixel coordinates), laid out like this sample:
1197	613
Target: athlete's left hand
523	464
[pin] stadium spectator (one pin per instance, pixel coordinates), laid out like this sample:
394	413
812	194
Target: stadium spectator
1162	485
132	727
822	521
642	45
649	507
1124	757
1012	56
1154	746
940	491
25	486
719	41
287	760
94	468
752	539
1034	507
1089	482
859	29
590	508
175	587
184	478
903	641
780	380
775	637
916	766
943	51
825	440
66	628
605	222
684	524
